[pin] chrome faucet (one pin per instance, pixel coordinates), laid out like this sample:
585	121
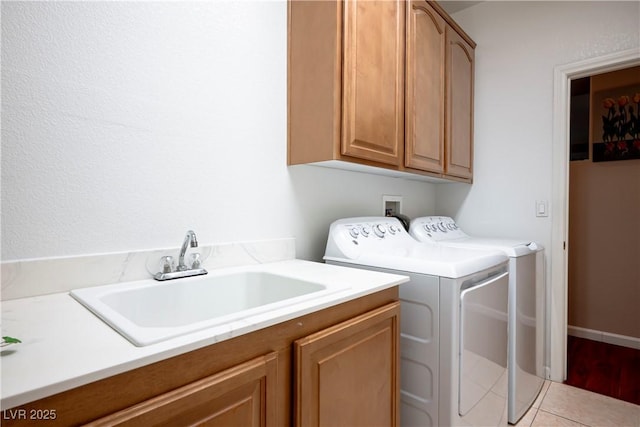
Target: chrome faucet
189	240
182	270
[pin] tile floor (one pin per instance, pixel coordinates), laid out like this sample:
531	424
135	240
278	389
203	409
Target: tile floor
563	405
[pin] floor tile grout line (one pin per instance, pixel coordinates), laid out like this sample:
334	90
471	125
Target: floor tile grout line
550	412
564	417
534	411
559	412
545	390
539	398
534	415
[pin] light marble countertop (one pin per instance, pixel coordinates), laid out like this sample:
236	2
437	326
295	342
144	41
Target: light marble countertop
65	346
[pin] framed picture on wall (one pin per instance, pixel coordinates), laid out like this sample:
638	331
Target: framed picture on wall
615	124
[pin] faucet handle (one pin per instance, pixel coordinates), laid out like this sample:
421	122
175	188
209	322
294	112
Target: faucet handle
167	264
195	261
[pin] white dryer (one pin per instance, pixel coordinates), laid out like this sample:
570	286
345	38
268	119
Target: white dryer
454	320
526	293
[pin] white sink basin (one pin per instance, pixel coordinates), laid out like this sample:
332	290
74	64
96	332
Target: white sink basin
149	311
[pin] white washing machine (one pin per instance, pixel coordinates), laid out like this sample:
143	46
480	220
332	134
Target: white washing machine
526	293
453	349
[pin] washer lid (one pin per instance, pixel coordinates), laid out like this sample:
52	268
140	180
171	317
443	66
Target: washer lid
435	260
511	247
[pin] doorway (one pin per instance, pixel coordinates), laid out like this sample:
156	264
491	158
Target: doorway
603	343
557	299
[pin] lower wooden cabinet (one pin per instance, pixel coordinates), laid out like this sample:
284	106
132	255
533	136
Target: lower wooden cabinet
244	395
337	366
347	375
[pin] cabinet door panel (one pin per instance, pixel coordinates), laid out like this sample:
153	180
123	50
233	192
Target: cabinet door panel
424	133
373	83
347	375
241	396
459	140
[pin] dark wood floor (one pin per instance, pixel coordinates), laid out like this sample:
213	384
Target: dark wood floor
604	368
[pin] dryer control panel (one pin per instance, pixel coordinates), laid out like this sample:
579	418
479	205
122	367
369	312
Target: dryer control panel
435	228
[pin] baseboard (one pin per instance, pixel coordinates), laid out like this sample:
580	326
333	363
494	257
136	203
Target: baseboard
608	337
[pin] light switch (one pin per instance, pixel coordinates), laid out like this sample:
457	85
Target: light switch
542	208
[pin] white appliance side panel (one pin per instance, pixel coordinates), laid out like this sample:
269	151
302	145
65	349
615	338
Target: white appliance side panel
419	350
524	381
484	323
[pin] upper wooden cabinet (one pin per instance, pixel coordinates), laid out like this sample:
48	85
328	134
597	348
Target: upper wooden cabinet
425	91
459	117
380	83
373	81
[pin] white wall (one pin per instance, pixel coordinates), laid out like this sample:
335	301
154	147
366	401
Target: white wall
125	124
519	44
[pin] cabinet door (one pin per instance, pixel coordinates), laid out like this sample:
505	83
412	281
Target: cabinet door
373	83
459	136
347	375
424	126
240	396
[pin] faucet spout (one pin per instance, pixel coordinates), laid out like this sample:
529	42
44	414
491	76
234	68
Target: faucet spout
189	240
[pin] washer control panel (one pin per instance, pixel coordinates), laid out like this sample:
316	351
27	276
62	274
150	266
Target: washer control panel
353	237
435	229
378	229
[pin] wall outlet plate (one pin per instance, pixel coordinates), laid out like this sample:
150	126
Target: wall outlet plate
391	205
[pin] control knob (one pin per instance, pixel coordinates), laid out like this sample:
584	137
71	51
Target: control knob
354	232
379	230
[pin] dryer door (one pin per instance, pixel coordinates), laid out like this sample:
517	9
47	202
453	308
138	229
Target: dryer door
483	344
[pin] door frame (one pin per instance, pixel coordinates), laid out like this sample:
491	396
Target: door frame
557	294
